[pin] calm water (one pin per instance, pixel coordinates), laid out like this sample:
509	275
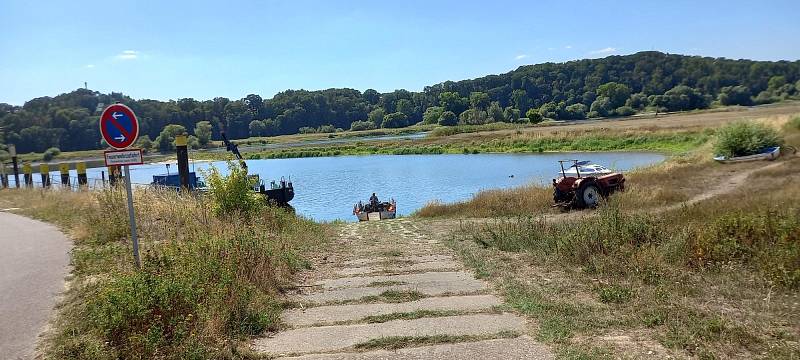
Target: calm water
326	188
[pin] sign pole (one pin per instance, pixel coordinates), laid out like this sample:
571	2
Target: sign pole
131	217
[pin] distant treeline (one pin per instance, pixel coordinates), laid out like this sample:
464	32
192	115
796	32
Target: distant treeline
612	86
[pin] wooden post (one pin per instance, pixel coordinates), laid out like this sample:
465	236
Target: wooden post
44	170
81	169
27	170
64	170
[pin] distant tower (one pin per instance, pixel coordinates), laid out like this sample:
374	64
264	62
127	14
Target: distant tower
86	85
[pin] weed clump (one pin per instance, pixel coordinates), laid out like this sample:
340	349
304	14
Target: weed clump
745	138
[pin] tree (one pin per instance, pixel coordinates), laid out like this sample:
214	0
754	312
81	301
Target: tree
602	106
452	101
51	153
511	115
521	100
203	132
362	125
432	114
257	128
682	98
406	107
395	120
637	101
448	118
735	95
575	112
616	93
376	117
144	143
473	117
495	112
479	100
548	110
166	139
625	111
371	96
534	116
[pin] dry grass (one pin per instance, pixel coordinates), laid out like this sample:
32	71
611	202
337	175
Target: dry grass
714	279
207	281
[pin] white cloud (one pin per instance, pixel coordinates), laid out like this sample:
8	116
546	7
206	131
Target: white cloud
568	47
608	50
127	55
89	66
520	57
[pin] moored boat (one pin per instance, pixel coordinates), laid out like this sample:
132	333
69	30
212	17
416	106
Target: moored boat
375	210
771	153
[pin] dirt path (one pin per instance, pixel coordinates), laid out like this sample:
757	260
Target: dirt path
393	291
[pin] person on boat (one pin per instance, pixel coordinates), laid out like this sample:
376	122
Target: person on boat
373	201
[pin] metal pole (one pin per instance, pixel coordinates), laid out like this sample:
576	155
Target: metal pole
131	217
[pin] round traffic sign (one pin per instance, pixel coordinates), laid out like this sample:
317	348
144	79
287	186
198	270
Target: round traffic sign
119	126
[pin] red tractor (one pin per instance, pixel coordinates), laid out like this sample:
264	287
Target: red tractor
582	184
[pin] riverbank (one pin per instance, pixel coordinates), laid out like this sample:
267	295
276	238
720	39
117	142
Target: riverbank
695	259
458	139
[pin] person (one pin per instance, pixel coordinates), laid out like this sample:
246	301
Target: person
373	200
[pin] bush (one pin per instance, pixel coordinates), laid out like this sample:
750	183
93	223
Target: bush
625	111
745	138
395	120
362	125
534	116
448	118
51	153
232	194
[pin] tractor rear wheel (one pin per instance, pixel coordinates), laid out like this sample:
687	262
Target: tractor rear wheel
587	196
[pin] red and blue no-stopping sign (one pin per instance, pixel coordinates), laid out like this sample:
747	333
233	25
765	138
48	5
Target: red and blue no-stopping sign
119	126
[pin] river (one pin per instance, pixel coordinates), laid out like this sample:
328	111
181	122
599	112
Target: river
327	187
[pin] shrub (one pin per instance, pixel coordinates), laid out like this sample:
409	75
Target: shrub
233	193
625	111
51	153
362	125
534	116
745	138
448	118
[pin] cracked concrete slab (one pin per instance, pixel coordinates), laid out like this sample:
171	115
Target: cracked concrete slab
325	315
416	259
408	279
433	288
447	265
336	338
520	348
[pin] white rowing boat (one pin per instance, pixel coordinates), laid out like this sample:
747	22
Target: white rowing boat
768	154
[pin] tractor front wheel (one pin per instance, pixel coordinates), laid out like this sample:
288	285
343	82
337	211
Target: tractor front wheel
587	196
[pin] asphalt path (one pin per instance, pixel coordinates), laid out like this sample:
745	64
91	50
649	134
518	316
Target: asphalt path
34	259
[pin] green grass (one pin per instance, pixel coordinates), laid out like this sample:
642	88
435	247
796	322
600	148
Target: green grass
410	315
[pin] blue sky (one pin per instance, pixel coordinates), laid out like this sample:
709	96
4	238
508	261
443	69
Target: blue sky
203	49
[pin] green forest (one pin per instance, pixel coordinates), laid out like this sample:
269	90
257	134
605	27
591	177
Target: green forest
611	86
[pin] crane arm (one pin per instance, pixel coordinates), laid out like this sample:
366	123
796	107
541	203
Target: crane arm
234	149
